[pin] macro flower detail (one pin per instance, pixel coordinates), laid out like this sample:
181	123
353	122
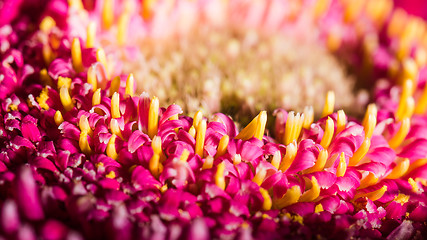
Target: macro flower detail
212	119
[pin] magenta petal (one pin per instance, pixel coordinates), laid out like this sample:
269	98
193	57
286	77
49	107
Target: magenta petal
27	194
9	217
53	230
143	108
415	150
403	231
29	129
169	112
136	140
228	123
419	214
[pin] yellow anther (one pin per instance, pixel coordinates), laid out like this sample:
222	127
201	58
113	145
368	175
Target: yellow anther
313	193
407	90
400	169
58	118
410	70
147	9
76	55
153	117
66	100
237	159
84	125
373	196
367	181
208	163
47	24
318	208
414	185
96	98
222	146
267	203
291	196
45	78
360	152
91	78
353	10
111	147
111	175
77	4
409	108
192	131
219	176
91	34
255	128
122	27
64	81
276	159
291	152
342	166
107	14
400	135
341	121
262	120
155	166
371	110
421	105
370	125
259	176
156	145
115	129
42	98
184	155
198	116
378	10
130	83
397	22
115	105
293	127
200	137
320	162
401	198
47	53
308	117
333	41
329	104
115	85
328	133
163	188
84	144
102	58
416	164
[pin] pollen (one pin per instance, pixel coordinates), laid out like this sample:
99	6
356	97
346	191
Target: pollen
64	81
318	208
111	175
401	198
42	98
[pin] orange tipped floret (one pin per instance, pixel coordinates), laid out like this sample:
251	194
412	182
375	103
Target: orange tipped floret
58	118
222	146
341	121
342	166
219	176
96	97
107	14
255	128
259	176
373	196
400	169
115	129
130	83
122	28
65	97
293	127
91	78
276	159
291	196
153	117
115	105
267	203
320	162
370	125
237	159
291	152
400	135
328	133
83	143
367	181
407	90
76	55
198	116
311	194
360	152
47	24
147	9
84	125
91	34
421	105
371	110
208	163
308	117
329	104
200	137
111	147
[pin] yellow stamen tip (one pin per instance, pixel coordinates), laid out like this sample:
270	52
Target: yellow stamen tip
375	195
291	196
400	135
115	129
153	117
122	27
208	163
198	116
400	169
58	118
360	152
371	110
237	159
111	147
156	145
320	162
96	98
130	82
47	24
259	176
255	128
328	133
102	58
342	166
308	117
115	105
313	193
84	144
329	104
64	81
42	98
267	203
91	34
111	175
367	181
76	55
276	159
262	121
66	100
318	208
219	176
370	125
107	14
91	78
200	137
184	155
222	146
84	125
291	152
341	121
